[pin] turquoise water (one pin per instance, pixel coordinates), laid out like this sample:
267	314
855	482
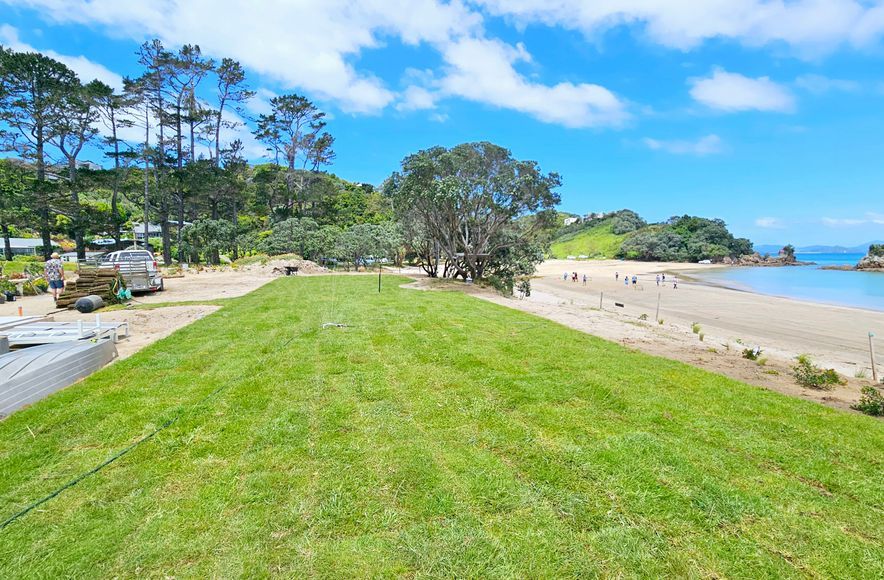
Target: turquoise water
857	289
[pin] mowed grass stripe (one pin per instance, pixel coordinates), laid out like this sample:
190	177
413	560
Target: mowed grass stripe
437	435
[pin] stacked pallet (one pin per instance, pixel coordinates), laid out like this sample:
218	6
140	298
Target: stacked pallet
91	281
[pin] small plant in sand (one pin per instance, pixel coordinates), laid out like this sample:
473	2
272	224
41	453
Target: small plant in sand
871	402
660	322
695	328
860	373
643	317
701	336
752	353
762	361
813	377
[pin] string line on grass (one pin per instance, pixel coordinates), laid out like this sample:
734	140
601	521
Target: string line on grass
144	439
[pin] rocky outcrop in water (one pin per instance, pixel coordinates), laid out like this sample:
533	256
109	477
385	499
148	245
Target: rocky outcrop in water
873	263
757	259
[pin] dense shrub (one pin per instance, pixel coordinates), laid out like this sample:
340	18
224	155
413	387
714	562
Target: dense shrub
871	402
684	239
876	250
626	221
811	376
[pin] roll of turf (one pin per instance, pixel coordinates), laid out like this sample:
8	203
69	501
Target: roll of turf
88	304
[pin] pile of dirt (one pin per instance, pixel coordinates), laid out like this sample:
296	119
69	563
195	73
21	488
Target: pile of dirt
283	267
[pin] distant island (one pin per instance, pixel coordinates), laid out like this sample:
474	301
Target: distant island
873	261
820	249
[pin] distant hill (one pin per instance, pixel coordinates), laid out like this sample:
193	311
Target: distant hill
624	234
596	240
819	249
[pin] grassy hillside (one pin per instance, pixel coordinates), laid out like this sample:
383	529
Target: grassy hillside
596	241
435	435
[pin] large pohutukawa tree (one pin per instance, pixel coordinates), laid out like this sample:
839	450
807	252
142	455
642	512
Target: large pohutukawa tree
484	210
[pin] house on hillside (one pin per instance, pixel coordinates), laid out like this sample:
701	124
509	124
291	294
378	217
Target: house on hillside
153	230
572	220
28	246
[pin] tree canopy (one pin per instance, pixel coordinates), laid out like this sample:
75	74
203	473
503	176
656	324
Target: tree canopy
467	206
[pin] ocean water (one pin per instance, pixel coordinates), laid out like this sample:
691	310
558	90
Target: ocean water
845	288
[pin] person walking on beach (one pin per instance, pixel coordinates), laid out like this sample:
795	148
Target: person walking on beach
584	279
675	283
616	276
658	279
634	281
626	280
664	279
565	277
54	272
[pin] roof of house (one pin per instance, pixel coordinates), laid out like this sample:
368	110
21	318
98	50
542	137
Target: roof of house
28	242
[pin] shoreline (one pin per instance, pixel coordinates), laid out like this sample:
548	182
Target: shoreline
736	287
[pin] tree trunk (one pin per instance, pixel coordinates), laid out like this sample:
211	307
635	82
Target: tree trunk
77	213
7	244
43	206
115	222
179	152
235	229
146	175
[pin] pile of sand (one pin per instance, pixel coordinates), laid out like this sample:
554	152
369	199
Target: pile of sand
278	267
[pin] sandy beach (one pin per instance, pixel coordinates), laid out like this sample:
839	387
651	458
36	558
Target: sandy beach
731	320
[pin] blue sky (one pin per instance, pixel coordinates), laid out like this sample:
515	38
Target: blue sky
767	114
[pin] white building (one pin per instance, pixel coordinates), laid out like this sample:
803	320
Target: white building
572	220
153	230
27	246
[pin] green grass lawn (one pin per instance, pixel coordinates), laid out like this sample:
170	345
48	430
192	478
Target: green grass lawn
596	242
14	267
437	435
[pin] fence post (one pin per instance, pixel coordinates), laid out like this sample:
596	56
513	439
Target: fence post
601	297
872	354
657	316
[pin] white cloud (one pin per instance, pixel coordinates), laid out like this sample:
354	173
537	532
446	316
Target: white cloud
708	145
312	45
769	223
260	103
306	45
868	219
85	68
807	25
483	70
733	92
819	84
415	99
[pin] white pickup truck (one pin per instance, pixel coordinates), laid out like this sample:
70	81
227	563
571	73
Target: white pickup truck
137	267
